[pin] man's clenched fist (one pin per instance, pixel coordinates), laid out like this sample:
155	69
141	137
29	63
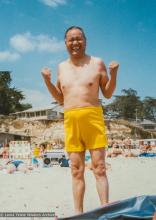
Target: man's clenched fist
113	66
46	73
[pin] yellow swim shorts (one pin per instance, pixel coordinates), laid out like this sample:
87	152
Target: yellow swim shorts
84	129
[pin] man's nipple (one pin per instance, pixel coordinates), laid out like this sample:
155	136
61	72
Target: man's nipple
90	83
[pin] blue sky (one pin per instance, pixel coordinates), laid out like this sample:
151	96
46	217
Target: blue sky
32	33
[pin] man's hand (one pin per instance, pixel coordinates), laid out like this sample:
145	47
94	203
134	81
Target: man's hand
46	73
113	66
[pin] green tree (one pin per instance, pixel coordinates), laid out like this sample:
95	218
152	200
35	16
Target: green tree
10	98
126	106
149	110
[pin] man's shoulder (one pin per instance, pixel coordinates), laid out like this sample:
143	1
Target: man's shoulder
62	67
98	60
63	63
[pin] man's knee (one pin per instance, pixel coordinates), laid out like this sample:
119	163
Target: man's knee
99	169
77	172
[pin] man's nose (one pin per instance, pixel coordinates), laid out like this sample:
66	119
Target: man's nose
75	42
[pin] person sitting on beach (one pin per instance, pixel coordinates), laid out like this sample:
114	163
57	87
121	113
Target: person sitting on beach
4	151
128	143
131	154
63	162
148	147
145	148
115	151
121	144
17	165
79	79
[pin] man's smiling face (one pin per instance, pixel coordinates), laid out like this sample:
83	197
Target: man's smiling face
75	43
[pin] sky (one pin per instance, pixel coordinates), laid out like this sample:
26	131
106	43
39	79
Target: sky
32	37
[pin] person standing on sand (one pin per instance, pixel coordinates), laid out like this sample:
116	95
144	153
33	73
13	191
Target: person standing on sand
77	89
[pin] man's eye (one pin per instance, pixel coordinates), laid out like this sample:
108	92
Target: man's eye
72	40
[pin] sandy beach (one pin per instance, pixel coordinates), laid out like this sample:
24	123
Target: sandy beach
49	189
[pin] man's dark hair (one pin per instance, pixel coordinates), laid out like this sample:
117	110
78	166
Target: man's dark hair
74	27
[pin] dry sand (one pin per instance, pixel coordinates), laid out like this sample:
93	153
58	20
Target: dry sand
49	189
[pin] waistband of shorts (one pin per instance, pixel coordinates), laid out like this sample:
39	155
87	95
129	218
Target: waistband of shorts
83	108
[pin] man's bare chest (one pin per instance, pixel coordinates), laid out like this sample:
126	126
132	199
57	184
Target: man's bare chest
79	76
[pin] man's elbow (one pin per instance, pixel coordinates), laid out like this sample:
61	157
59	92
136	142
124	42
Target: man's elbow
61	101
107	95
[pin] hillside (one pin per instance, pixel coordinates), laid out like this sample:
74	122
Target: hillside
42	131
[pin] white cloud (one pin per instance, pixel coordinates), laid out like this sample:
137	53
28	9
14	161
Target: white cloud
53	3
43	43
36	98
22	43
8	56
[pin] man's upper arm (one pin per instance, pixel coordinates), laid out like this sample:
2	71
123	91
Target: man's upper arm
58	87
103	76
58	83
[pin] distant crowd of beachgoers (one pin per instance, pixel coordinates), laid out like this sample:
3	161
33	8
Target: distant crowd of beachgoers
123	147
37	155
116	147
37	150
130	148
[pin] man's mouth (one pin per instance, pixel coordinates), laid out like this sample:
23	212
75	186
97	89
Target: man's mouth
75	49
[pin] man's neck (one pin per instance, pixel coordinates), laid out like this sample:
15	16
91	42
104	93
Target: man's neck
78	60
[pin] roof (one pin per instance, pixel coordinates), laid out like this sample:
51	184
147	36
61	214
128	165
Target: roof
58	108
54	106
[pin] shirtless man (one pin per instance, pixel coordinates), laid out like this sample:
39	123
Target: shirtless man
77	88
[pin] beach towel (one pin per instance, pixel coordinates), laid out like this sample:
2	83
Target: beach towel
142	207
147	155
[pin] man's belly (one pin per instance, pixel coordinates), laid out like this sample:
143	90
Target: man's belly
80	101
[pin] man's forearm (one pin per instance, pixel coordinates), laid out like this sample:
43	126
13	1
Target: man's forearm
110	87
54	91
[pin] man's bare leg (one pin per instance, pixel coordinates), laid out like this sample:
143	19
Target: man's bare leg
78	184
99	170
